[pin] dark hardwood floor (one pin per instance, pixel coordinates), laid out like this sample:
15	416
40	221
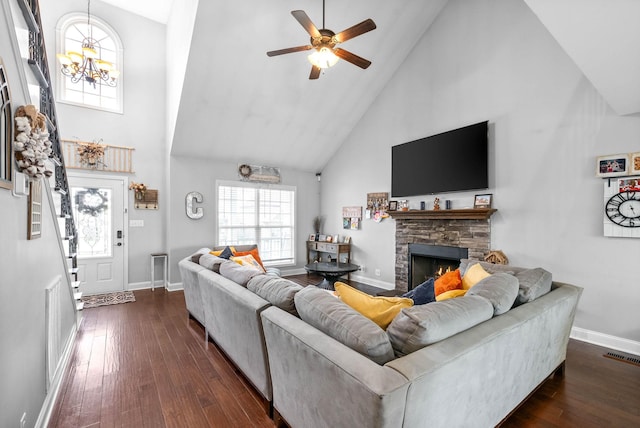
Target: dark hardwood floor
146	364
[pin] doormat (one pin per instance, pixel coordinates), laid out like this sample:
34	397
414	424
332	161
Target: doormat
108	299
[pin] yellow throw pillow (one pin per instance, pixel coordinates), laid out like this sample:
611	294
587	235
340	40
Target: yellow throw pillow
450	295
473	275
247	260
381	310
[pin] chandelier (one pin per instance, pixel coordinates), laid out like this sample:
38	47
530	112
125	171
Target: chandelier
86	65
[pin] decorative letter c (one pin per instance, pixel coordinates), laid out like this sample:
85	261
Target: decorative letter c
192	212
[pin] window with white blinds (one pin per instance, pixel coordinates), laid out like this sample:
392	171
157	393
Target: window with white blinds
250	213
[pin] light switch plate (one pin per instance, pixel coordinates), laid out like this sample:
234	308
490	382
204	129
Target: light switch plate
136	223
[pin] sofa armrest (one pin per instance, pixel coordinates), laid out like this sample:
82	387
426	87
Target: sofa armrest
232	319
483	373
192	294
317	381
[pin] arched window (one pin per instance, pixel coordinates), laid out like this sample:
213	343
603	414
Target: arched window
72	31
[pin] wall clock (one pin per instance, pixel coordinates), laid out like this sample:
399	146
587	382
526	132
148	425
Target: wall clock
622	207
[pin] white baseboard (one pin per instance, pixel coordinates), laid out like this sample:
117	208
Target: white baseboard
606	340
133	286
375	282
54	390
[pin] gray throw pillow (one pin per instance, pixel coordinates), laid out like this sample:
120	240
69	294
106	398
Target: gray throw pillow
211	262
277	291
418	326
238	273
533	283
335	318
501	289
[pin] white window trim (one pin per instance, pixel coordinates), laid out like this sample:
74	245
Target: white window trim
61	26
254	185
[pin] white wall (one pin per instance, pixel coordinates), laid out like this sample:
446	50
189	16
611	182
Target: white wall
142	126
200	175
493	60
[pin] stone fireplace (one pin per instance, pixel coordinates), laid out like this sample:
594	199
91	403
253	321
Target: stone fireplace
451	234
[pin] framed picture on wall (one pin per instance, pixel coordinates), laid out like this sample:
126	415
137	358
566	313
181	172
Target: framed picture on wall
612	165
634	163
483	201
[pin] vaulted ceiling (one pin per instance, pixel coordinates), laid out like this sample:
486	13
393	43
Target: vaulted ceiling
238	105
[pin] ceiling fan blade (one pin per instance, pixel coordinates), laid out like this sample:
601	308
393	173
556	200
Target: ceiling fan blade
315	72
305	21
352	58
289	50
351	32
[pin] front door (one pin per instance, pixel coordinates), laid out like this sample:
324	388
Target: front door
99	212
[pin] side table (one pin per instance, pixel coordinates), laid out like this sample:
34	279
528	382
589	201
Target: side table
165	263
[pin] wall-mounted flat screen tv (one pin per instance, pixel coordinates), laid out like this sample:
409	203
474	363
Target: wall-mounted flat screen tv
452	161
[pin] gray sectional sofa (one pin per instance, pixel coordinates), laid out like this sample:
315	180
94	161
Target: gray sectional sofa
469	361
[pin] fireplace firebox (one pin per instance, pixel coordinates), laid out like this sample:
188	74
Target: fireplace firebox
426	261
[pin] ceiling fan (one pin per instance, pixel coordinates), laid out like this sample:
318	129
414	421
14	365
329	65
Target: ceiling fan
324	42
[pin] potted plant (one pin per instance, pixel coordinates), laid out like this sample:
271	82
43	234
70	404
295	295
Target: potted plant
317	224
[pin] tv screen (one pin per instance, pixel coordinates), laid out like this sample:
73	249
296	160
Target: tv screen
452	161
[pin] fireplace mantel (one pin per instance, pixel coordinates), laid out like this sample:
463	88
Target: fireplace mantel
466	214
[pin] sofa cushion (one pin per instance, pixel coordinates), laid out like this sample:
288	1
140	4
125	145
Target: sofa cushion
279	292
473	275
423	293
416	327
211	262
501	289
378	309
532	283
448	281
237	273
343	323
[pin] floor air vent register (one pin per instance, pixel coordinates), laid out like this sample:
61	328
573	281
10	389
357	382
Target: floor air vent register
635	360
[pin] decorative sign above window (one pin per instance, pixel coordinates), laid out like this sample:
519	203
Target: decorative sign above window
259	174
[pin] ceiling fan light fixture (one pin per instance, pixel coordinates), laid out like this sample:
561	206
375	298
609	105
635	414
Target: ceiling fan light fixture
323	58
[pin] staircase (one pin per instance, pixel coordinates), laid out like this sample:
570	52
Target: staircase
58	181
